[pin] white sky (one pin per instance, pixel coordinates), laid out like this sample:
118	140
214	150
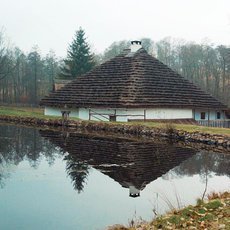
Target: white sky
51	24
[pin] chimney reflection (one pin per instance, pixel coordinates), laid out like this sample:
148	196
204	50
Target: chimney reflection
133	192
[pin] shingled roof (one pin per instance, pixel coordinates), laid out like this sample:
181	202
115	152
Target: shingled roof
133	80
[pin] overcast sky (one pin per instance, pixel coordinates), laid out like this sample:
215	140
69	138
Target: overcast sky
51	24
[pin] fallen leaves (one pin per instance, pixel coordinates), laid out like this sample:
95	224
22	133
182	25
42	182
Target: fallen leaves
213	214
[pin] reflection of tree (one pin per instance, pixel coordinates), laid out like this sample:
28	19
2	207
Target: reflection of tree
203	163
3	172
78	171
18	144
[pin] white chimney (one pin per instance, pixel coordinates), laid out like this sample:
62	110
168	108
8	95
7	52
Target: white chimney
135	46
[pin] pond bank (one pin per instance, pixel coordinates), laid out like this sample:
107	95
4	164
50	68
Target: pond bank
211	214
166	130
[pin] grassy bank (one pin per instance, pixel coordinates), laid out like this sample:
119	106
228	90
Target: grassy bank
22	111
29	112
39	113
211	214
188	128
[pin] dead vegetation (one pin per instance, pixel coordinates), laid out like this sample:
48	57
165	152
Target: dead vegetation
214	213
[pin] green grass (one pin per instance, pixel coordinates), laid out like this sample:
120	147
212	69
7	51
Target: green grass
23	112
188	128
203	129
213	204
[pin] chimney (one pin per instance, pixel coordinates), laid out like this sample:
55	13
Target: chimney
135	46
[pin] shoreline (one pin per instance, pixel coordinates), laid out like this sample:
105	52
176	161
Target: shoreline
211	213
168	131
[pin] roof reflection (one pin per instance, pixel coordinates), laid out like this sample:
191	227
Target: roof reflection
133	164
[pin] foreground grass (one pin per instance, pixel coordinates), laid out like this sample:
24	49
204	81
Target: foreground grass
39	113
211	214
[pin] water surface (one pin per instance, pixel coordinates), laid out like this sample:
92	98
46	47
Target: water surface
68	180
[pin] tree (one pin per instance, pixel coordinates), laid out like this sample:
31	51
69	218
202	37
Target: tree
51	70
147	44
6	66
79	58
35	63
223	56
115	49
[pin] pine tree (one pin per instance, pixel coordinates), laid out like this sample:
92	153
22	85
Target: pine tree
79	58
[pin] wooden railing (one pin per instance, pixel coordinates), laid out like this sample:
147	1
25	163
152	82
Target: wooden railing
95	114
215	123
106	116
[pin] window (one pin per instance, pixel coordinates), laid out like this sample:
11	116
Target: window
202	115
218	115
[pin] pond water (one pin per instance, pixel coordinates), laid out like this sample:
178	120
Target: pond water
69	180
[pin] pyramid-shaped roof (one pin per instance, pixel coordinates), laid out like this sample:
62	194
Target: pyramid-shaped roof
132	80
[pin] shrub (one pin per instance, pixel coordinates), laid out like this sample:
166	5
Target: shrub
170	129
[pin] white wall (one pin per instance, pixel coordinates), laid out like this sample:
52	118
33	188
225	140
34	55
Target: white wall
162	113
84	114
51	111
133	114
124	115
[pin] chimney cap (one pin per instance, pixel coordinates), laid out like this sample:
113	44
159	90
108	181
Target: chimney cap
134	195
137	42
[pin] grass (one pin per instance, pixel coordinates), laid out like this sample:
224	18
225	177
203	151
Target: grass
29	112
21	111
211	214
188	128
39	113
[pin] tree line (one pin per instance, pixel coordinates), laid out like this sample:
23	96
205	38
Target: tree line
26	78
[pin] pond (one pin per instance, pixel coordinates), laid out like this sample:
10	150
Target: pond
53	179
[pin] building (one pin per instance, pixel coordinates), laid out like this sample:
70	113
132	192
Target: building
133	86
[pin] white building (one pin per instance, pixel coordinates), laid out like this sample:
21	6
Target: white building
133	86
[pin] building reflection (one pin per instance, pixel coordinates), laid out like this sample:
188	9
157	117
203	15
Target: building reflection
133	164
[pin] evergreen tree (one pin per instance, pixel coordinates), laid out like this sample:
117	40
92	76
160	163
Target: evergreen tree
79	58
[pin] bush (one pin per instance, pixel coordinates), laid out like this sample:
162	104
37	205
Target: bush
170	129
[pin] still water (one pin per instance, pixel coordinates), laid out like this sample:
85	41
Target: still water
68	180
